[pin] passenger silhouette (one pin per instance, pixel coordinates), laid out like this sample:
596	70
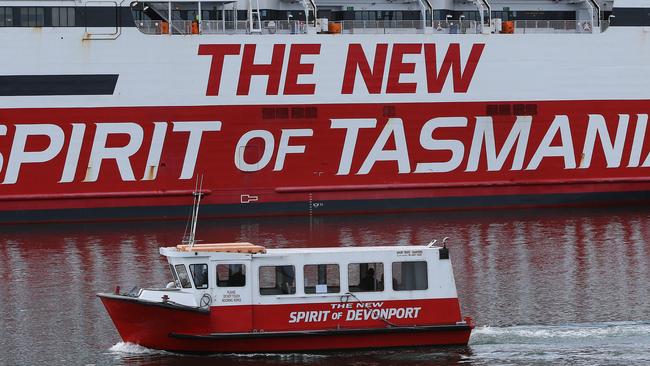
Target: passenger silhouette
368	281
237	278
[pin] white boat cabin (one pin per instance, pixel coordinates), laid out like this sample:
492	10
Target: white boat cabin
214	275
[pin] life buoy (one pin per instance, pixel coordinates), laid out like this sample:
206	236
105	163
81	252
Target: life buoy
206	300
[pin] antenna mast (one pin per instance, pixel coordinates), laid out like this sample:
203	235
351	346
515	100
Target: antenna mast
198	192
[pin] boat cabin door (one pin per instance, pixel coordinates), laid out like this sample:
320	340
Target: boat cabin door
233	309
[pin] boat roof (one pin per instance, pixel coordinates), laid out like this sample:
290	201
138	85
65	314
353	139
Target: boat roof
213	249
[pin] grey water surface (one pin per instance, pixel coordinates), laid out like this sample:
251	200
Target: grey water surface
544	286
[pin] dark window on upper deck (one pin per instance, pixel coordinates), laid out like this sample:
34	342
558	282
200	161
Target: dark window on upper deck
365	277
410	276
6	17
32	17
231	275
183	278
63	17
322	278
277	280
199	275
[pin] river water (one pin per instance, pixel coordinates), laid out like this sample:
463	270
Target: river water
544	286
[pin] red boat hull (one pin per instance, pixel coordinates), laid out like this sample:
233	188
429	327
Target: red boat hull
179	329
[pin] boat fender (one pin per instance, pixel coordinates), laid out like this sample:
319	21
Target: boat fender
206	300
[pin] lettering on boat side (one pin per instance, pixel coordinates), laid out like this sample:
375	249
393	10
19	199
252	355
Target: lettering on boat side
409	253
355	312
382	70
231	296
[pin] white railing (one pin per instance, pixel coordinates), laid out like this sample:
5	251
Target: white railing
363	26
224	27
553	26
456	26
150	26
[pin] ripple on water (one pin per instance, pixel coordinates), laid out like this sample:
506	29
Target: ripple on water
559	333
613	343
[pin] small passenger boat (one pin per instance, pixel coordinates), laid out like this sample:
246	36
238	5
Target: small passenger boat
240	297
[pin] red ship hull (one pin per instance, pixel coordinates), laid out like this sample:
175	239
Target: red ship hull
143	162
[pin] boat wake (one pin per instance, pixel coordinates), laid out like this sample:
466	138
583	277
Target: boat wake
582	344
560	333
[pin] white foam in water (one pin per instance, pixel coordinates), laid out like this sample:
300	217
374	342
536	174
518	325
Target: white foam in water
559	333
132	349
618	343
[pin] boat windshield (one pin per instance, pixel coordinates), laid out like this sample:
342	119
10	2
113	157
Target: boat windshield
174	276
183	278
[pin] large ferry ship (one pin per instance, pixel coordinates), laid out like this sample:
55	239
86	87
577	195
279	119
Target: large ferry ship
114	109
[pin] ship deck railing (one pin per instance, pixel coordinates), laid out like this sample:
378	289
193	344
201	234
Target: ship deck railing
553	26
185	27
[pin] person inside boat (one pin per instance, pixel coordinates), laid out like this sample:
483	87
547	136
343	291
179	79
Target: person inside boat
237	277
368	282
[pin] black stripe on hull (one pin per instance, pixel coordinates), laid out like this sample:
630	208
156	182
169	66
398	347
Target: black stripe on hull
38	85
328	332
328	207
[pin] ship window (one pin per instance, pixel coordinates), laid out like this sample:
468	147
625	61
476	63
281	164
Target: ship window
6	17
63	17
32	17
231	275
183	278
322	278
199	275
277	280
410	276
365	277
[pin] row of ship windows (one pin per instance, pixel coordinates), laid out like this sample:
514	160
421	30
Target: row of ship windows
318	278
37	17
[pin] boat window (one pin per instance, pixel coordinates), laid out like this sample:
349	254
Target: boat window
365	277
231	275
409	276
322	278
183	278
199	275
277	280
176	281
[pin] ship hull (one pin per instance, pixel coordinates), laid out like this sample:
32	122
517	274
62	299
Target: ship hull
412	160
349	124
